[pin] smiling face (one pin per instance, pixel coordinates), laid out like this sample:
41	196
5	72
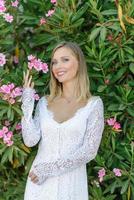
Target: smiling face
64	65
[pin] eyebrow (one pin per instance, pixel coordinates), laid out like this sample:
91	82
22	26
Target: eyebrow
60	57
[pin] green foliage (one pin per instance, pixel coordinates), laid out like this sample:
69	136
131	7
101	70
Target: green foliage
107	40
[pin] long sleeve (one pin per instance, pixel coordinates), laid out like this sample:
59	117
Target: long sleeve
86	152
30	125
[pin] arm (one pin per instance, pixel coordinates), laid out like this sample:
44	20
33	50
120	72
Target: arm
85	153
30	126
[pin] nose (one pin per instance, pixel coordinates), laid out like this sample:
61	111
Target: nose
58	66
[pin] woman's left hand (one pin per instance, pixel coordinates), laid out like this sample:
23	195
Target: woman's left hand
34	177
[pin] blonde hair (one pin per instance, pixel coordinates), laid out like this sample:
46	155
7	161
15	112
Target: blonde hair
82	84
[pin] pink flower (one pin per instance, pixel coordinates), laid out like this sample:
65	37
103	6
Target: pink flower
31	57
2	9
37	64
50	13
117	172
9	134
5	89
8	17
2	59
117	126
2	2
53	1
36	97
101	174
5	129
7	123
15	3
9	143
107	81
15	59
11	101
11	85
42	21
44	67
111	121
18	126
16	92
2	133
7	138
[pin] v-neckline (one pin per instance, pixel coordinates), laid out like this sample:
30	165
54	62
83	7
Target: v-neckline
51	113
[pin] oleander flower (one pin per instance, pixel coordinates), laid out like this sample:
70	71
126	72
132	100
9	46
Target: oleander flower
2	59
42	21
117	172
101	174
53	1
8	17
50	13
15	3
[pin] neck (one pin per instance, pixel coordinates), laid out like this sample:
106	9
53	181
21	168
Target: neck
69	90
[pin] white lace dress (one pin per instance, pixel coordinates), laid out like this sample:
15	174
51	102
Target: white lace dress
64	148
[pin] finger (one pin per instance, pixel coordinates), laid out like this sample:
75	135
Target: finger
27	75
35	179
26	79
29	81
32	85
30	174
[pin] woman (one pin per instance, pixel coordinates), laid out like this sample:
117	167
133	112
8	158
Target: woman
68	124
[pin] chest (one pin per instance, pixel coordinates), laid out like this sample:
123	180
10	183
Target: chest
64	111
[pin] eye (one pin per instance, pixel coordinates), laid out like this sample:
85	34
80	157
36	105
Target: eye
54	62
65	59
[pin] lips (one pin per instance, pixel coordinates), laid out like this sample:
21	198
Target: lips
60	73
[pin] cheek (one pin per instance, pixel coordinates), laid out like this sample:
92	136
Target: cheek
73	69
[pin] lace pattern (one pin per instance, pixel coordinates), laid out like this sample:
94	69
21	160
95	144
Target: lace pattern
31	132
85	153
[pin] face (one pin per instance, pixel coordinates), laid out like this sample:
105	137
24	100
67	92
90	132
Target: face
64	65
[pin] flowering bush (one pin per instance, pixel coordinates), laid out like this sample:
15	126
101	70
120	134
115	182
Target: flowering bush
29	30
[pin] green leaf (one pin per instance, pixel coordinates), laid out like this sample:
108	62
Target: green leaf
79	13
124	187
131	67
118	75
94	33
109	12
130	111
103	33
101	88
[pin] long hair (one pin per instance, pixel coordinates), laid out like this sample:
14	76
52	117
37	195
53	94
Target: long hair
82	81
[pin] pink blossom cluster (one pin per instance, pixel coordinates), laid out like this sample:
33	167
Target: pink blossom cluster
10	92
2	59
102	173
37	64
8	18
17	127
115	125
53	1
49	13
117	172
6	135
36	97
15	3
2	6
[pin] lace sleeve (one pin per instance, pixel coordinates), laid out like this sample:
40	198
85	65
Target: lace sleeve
85	153
30	125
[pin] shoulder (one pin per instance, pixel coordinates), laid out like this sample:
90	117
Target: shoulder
96	102
43	100
96	99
